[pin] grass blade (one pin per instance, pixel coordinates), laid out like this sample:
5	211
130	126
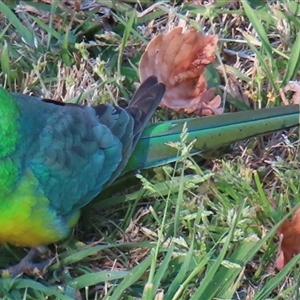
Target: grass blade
13	19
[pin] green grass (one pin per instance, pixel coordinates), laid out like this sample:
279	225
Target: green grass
180	231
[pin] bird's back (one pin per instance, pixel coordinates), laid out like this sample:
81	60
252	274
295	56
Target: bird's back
65	154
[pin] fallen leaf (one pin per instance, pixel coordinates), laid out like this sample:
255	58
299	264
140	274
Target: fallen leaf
289	240
178	59
293	86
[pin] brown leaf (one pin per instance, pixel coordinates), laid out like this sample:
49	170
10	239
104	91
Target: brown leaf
293	86
178	59
289	240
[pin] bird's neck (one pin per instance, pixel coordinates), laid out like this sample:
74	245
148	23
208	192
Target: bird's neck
9	125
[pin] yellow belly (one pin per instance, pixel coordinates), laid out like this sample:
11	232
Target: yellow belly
27	218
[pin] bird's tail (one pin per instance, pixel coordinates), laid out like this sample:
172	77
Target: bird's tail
144	103
209	133
128	130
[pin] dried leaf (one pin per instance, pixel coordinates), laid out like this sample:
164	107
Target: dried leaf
293	86
178	59
289	240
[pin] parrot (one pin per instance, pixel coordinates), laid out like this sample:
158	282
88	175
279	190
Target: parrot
55	157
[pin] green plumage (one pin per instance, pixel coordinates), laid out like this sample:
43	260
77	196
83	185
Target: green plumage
9	128
55	158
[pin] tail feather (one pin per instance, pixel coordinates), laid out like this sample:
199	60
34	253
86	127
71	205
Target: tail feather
143	88
144	103
126	125
209	132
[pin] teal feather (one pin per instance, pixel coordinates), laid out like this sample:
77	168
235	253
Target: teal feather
74	151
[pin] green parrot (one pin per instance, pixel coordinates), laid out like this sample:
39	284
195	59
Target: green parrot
56	157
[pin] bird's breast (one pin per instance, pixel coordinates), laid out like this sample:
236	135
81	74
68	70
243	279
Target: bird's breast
27	218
